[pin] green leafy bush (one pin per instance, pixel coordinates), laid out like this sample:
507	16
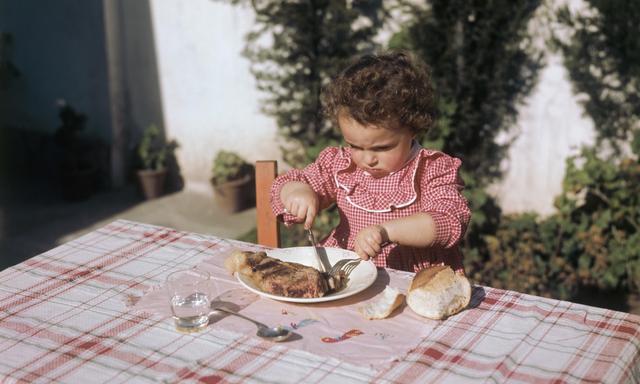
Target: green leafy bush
603	63
599	216
153	149
521	256
592	242
229	166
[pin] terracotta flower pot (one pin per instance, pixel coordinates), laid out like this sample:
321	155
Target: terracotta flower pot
236	195
152	182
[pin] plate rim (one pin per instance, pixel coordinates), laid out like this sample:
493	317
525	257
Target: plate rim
312	300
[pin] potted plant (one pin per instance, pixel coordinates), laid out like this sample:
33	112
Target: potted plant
232	182
153	152
77	156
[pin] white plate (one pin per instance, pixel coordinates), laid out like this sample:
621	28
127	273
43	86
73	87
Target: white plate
360	279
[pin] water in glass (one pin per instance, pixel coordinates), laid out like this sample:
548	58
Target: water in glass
189	296
192	312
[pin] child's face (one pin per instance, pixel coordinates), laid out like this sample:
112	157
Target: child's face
375	149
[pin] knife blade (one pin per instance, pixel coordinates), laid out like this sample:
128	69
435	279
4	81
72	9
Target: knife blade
312	239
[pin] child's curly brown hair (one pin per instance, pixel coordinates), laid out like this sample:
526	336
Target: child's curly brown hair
390	89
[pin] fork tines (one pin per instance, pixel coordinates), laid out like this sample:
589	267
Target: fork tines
345	266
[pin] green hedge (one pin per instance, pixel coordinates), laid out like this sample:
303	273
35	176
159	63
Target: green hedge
591	242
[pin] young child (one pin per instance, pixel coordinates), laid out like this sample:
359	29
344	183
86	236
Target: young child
399	203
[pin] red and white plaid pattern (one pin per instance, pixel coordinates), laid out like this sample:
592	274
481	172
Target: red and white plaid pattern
65	319
428	183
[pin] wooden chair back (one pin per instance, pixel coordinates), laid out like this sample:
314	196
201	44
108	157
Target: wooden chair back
267	224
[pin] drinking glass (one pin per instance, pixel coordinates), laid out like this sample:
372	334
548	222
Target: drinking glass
190	293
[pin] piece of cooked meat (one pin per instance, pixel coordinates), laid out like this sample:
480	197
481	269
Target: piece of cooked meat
279	277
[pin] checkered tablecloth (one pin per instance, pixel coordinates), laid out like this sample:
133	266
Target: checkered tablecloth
68	316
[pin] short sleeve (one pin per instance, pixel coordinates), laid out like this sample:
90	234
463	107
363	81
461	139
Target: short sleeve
319	175
440	196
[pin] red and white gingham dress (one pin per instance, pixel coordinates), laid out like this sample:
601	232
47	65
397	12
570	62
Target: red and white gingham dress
429	182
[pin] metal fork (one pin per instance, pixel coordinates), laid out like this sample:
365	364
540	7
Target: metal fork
345	265
348	265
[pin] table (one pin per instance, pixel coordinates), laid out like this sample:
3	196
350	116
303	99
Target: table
69	315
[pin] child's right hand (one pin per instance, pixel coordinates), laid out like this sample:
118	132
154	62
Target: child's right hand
301	201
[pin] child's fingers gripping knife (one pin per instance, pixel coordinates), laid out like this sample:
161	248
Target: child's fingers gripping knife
301	201
310	215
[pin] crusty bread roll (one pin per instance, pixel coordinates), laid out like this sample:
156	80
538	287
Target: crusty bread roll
382	305
438	292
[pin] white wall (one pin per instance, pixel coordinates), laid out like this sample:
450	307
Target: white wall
209	97
551	127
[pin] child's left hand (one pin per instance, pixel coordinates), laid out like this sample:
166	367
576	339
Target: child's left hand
368	242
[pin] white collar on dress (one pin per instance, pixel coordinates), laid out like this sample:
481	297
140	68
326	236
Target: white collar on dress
415	150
